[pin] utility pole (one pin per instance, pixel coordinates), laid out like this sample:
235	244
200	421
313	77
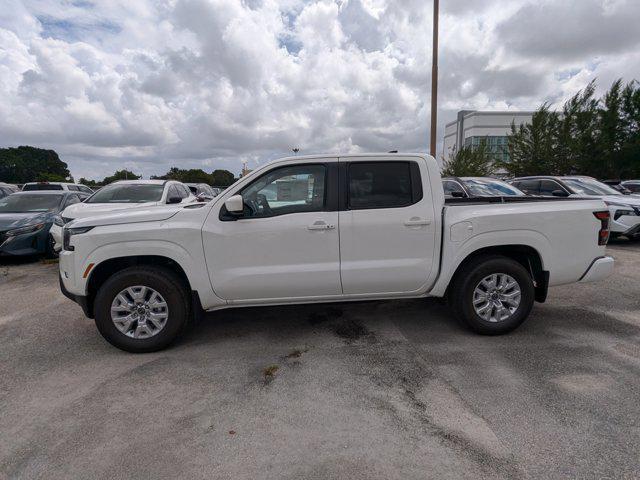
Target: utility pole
434	79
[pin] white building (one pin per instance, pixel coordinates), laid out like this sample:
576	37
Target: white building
473	126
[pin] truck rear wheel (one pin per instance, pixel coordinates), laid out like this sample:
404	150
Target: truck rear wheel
492	294
141	309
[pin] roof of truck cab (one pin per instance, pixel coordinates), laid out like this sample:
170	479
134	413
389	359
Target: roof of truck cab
350	155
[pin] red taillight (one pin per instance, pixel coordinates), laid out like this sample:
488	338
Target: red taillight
603	235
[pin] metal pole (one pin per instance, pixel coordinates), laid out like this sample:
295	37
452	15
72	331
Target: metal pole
434	79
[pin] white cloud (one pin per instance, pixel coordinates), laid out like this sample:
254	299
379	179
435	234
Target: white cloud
211	83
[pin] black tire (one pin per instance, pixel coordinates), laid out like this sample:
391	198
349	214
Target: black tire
167	284
49	251
467	279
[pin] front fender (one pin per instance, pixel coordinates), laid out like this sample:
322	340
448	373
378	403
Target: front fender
193	264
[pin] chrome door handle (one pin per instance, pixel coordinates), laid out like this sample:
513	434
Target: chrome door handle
416	222
320	225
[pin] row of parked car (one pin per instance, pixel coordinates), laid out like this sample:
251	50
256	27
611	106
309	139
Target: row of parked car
32	218
623	198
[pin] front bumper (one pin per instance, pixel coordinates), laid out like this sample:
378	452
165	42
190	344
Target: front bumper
26	244
633	231
81	300
600	268
627	225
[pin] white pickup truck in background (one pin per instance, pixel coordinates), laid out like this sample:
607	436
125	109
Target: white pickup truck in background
327	229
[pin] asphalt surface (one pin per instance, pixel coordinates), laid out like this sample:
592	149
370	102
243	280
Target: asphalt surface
358	391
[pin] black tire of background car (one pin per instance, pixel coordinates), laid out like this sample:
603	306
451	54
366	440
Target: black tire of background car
49	251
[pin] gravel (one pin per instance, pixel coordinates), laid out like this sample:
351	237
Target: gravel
359	391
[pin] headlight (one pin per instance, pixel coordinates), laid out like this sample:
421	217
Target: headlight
70	232
23	230
622	213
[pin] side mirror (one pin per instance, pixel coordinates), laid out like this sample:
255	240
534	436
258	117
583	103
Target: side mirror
234	205
174	200
203	197
457	194
559	193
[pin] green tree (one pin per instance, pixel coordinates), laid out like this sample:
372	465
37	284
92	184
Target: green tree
628	157
27	164
599	137
222	178
120	175
194	175
532	145
469	162
88	183
582	147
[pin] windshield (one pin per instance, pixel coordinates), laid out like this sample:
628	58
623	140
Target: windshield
127	193
30	203
589	186
487	187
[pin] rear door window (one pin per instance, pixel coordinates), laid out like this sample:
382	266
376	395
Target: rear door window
184	191
547	187
71	199
173	192
379	185
530	187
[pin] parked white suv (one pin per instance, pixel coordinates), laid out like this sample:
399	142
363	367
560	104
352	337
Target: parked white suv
624	209
122	195
326	229
71	187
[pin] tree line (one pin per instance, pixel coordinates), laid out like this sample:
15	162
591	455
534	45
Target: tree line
598	137
30	164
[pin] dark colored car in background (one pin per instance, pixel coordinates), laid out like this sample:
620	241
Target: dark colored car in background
632	185
26	217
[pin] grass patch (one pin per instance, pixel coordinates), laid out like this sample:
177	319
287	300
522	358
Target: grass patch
270	371
297	353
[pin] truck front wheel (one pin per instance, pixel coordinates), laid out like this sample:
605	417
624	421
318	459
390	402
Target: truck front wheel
141	309
492	294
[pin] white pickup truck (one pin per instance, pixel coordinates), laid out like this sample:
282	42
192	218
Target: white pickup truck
328	229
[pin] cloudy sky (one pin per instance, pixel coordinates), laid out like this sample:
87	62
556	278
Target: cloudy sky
211	83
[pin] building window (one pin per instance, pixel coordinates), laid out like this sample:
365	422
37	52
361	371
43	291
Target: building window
496	146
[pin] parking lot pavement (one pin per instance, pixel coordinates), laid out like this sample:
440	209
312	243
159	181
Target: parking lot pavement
367	390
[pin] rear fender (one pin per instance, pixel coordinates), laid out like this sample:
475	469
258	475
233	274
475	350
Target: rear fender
455	253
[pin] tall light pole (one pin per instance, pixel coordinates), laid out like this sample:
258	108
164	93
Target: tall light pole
434	79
